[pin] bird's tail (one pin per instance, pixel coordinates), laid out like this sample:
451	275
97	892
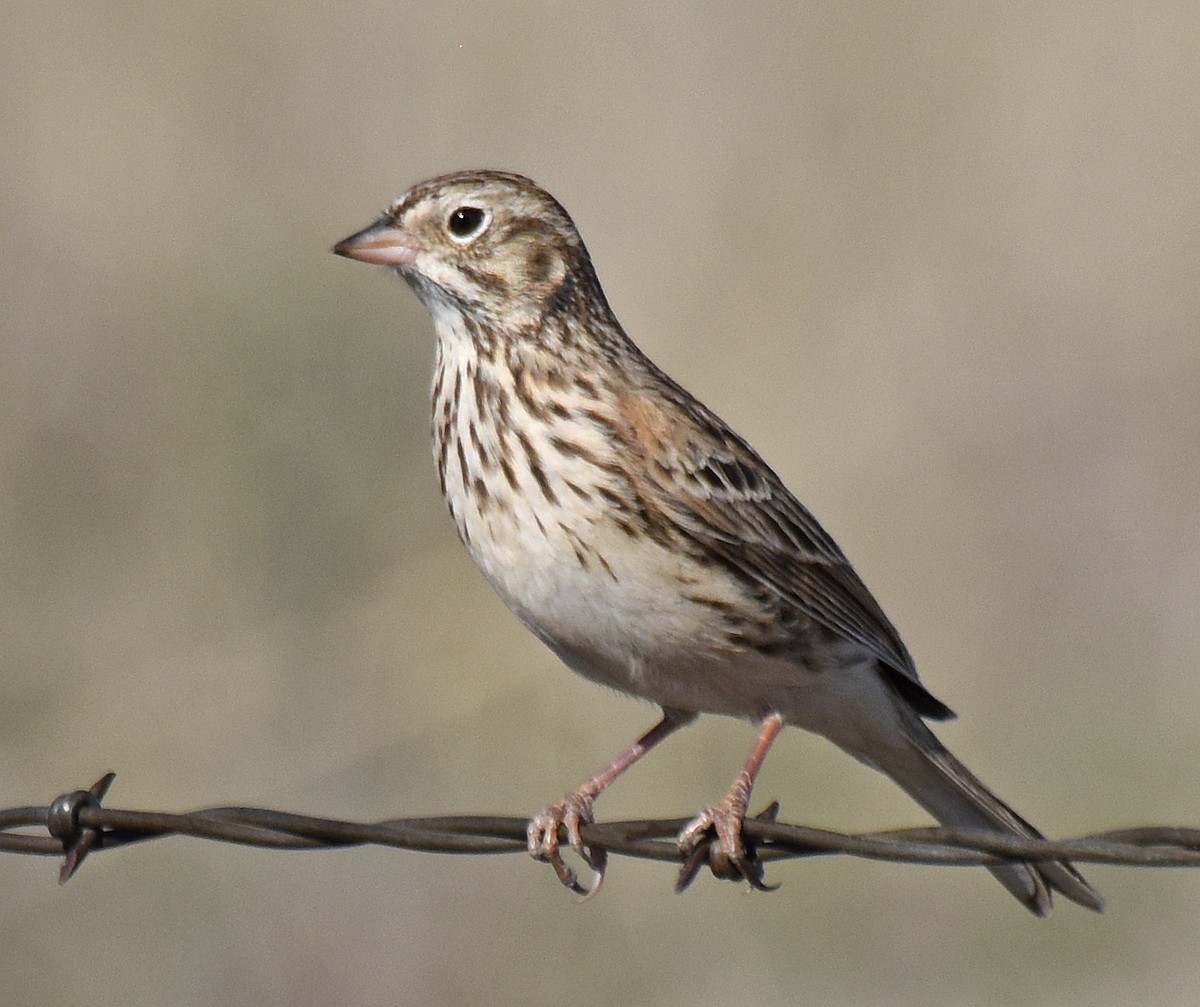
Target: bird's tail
956	797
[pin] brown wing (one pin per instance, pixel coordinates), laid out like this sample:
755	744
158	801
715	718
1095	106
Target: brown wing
729	502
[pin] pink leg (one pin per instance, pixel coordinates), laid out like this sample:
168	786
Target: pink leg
727	856
575	809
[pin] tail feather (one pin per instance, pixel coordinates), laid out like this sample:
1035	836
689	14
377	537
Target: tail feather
955	796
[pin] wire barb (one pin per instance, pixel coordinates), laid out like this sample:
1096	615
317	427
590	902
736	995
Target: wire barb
76	824
62	822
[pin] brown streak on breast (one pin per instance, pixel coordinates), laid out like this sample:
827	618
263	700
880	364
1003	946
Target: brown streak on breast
462	464
534	464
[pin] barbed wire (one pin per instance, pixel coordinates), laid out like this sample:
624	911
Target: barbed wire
76	824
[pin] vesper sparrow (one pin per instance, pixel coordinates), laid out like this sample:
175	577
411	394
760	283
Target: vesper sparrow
643	540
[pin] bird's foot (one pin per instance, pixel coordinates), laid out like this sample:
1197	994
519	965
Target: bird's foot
571	813
715	838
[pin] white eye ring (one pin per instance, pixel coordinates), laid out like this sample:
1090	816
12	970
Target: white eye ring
467	222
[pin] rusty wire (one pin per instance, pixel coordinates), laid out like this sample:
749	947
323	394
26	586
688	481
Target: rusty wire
76	824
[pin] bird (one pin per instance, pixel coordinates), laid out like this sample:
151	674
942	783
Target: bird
646	543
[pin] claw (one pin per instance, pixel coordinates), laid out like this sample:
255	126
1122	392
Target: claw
571	813
574	811
715	838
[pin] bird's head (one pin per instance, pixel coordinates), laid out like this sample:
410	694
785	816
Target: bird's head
488	245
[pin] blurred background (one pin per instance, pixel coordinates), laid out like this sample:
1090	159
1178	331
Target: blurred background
937	262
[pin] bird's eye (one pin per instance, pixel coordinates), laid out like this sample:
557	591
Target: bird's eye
466	222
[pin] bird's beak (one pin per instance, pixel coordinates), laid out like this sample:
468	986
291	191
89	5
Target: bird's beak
382	244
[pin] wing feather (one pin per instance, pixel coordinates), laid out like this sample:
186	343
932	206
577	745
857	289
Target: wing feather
730	504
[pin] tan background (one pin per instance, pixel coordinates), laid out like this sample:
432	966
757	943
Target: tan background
938	264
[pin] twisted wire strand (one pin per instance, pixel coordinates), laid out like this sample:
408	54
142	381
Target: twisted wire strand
76	824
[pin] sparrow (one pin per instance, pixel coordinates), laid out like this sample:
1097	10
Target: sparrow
645	542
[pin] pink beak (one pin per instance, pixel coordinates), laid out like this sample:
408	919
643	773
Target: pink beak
382	244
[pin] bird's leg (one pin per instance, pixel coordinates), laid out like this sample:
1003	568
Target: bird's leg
727	855
575	809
